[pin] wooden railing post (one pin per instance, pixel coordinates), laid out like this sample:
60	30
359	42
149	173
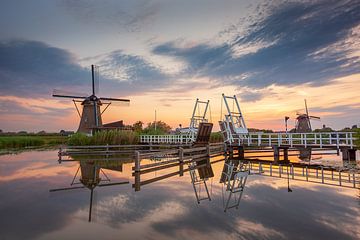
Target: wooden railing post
181	161
137	161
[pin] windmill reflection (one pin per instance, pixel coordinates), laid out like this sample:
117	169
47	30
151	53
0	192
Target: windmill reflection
90	177
305	154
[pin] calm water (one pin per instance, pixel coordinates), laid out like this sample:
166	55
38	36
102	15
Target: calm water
166	209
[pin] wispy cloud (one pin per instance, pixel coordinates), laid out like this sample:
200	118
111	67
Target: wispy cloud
287	41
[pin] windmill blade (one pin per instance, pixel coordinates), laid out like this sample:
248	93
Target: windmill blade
66	94
64	189
116	101
314	117
95	78
307	114
306	108
115	183
91	203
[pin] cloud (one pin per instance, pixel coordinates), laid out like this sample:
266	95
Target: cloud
10	107
289	41
34	69
30	68
132	16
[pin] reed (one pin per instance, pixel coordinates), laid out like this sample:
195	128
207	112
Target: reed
111	137
16	142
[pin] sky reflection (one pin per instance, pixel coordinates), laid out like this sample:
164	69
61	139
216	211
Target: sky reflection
168	208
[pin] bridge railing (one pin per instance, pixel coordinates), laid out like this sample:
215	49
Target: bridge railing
167	139
321	139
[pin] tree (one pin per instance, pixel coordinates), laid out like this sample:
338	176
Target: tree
138	126
161	128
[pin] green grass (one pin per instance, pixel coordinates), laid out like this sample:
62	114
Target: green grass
357	136
111	137
216	137
18	142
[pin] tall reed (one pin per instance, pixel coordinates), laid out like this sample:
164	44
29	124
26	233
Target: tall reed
111	137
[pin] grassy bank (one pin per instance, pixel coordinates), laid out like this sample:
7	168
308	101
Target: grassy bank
111	137
18	142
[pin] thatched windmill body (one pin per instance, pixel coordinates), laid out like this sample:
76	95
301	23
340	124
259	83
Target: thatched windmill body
91	115
303	124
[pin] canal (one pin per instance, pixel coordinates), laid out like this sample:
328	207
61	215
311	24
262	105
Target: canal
166	209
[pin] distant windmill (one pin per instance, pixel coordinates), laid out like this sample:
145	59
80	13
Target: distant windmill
91	114
303	123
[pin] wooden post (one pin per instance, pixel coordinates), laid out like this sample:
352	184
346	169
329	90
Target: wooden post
307	176
241	153
286	154
352	154
137	181
137	161
354	182
181	161
208	150
280	167
339	178
322	174
276	153
59	154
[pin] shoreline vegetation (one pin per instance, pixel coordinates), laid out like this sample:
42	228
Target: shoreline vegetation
9	142
14	142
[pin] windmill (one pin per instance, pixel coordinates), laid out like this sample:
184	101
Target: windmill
90	177
303	123
90	118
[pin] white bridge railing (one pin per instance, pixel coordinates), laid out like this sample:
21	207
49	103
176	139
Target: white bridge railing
166	139
321	139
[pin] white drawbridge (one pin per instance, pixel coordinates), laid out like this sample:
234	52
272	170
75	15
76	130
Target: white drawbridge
233	125
199	115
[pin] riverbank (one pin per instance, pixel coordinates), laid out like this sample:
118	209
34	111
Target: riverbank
20	142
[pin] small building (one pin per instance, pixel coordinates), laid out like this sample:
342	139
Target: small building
66	133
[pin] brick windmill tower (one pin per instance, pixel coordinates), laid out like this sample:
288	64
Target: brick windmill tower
90	117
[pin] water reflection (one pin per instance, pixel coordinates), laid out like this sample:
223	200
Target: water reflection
200	172
166	209
90	171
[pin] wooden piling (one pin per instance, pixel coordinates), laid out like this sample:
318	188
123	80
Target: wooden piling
137	161
181	161
286	154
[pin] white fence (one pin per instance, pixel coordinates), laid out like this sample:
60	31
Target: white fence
328	139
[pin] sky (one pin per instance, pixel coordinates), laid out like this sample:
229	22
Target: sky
162	55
